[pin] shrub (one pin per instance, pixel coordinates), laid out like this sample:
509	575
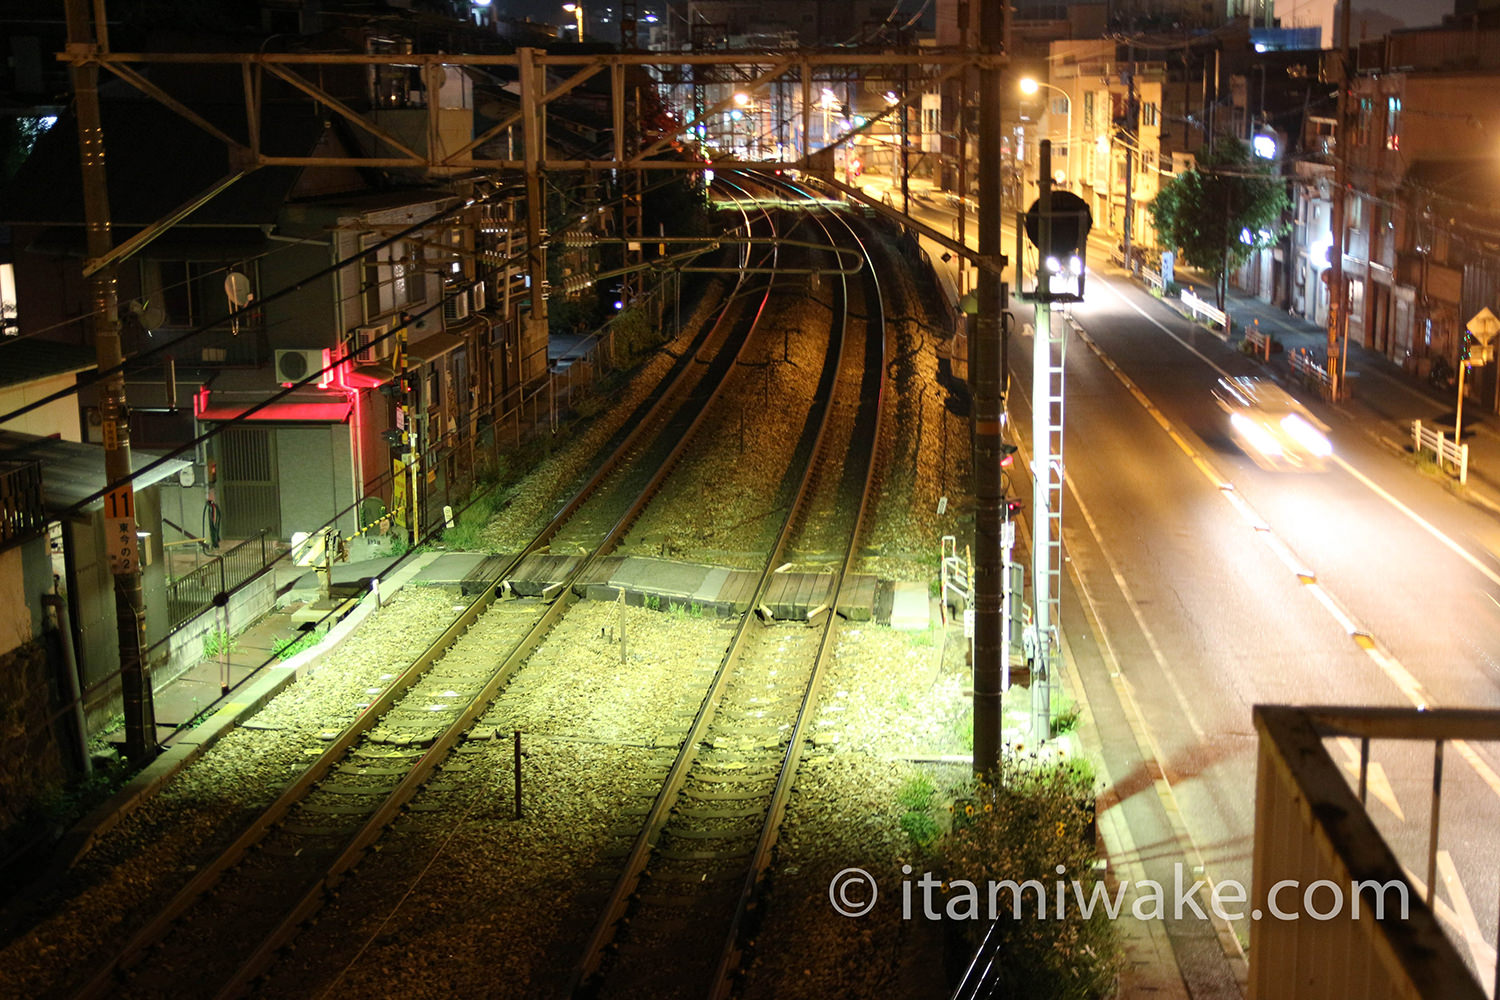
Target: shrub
1032	817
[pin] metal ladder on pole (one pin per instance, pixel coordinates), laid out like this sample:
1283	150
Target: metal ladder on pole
1052	414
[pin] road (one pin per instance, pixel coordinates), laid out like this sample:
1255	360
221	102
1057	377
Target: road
1217	584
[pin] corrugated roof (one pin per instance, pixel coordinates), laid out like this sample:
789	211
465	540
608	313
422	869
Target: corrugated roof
72	471
28	358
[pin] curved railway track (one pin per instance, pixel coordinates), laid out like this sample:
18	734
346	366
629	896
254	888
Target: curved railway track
374	767
693	873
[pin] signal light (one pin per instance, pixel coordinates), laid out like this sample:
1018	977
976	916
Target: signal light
1012	508
1007	455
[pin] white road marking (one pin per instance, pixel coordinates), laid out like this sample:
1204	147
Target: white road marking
1463	912
1389	665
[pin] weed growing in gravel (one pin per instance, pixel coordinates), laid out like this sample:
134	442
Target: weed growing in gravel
917	821
652	602
1065	719
467	531
285	649
926	637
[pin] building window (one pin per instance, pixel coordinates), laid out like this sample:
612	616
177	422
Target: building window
1393	123
1364	121
1149	114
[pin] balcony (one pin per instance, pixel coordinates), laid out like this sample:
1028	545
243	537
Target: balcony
21	513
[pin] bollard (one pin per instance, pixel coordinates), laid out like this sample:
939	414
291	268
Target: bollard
518	773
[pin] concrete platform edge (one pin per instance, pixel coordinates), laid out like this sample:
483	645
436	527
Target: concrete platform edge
187	747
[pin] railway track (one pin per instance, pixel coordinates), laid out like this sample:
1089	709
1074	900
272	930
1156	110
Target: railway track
319	827
693	872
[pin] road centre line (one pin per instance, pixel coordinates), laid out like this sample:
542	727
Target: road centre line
1360	477
1388	663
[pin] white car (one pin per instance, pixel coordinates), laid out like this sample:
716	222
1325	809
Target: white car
1271	425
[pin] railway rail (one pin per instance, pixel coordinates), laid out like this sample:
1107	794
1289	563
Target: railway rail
694	870
380	761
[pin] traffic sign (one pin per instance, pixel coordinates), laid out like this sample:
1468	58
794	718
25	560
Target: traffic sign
1484	325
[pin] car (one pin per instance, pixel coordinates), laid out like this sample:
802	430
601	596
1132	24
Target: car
1271	425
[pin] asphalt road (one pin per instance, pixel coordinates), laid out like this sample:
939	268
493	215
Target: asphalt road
1218	584
1203	593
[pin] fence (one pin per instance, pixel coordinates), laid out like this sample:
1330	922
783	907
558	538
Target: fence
1200	309
195	592
1448	452
1261	342
1310	371
1154	279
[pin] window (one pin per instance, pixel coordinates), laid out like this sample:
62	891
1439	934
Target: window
1363	121
387	278
1149	114
1393	123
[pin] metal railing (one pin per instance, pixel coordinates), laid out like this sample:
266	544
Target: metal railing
1448	451
1310	371
1261	342
1154	279
22	515
1313	828
195	592
1200	309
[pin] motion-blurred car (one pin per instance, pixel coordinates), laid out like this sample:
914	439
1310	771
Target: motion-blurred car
1269	423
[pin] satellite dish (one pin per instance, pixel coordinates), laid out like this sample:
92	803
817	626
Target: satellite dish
237	288
150	313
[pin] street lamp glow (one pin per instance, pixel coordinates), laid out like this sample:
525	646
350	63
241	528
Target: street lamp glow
742	99
576	9
1030	85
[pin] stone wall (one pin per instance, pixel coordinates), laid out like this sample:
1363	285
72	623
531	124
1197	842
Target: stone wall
31	759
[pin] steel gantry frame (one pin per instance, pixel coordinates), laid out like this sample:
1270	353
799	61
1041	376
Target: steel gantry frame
780	70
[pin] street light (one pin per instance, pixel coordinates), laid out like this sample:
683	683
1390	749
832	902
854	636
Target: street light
576	9
1030	85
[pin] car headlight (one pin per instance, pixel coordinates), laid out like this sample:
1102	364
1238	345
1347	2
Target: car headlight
1260	439
1305	434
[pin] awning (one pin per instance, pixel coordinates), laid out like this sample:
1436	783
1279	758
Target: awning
433	347
285	412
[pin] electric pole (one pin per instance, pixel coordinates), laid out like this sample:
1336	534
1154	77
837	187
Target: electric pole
987	371
1338	319
86	37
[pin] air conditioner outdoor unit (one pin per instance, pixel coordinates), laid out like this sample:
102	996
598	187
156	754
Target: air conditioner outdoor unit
296	365
456	307
477	294
364	348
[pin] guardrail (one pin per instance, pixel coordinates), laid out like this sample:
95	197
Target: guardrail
1448	452
1260	341
1154	279
1303	365
1202	309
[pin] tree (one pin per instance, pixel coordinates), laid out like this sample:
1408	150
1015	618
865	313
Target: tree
1218	213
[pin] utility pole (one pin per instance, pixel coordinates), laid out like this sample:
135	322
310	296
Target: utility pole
533	113
86	38
1338	319
987	371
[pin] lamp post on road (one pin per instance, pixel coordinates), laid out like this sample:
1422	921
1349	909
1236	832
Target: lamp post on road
1030	85
576	9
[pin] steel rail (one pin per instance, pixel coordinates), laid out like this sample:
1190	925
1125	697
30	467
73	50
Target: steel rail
781	794
104	980
587	971
312	900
